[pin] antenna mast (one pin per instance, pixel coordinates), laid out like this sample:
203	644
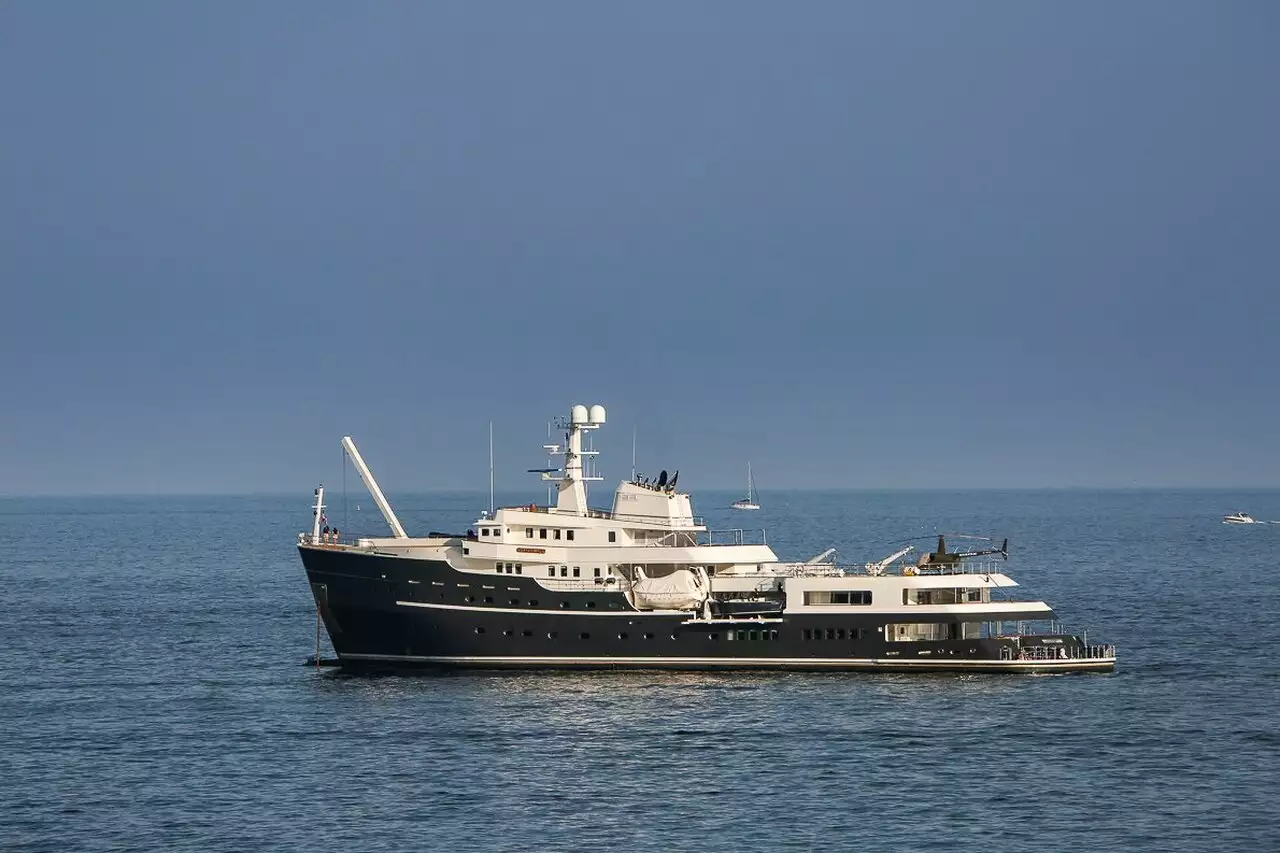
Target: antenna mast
490	467
633	453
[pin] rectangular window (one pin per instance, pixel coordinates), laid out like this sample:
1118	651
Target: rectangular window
577	572
551	571
831	634
568	534
518	569
839	633
773	635
484	531
542	533
613	536
528	532
564	571
499	566
826	597
597	571
753	635
808	635
557	536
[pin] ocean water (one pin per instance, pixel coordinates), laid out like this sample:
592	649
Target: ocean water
152	696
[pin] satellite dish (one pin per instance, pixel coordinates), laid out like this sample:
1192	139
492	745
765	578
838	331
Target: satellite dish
662	478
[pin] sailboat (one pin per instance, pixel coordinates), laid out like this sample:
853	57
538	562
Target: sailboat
748	502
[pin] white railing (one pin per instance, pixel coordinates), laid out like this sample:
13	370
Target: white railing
1046	653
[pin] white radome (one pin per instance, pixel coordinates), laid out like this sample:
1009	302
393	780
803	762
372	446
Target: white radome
578	414
597	414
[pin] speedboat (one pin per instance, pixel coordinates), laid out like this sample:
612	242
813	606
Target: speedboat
1239	518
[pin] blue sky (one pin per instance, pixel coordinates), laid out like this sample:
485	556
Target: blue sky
863	245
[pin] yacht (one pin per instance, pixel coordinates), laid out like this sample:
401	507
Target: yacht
647	584
1239	518
748	502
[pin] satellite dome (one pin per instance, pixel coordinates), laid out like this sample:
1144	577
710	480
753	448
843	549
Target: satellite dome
597	414
578	414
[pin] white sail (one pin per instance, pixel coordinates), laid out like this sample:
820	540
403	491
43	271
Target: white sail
749	501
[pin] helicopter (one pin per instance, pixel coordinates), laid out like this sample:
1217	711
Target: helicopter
943	557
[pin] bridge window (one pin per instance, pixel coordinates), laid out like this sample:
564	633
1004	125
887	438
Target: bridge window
484	531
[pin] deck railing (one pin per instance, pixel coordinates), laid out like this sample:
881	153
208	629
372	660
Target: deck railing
1096	652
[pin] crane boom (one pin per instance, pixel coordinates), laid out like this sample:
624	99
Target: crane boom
372	485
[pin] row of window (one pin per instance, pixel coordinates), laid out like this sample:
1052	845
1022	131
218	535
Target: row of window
509	568
577	571
843	596
533	602
833	634
542	533
551	635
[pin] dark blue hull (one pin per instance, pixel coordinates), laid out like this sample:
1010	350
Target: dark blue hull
394	612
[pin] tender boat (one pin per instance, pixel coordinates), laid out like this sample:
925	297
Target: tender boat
646	584
1239	518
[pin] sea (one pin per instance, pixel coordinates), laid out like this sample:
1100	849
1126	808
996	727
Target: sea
154	696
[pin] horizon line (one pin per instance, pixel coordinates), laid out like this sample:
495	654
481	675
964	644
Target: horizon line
790	490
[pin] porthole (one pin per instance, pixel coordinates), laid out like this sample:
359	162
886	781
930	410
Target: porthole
648	636
533	603
471	598
488	599
514	602
564	605
584	636
551	635
506	633
715	636
479	630
673	636
526	633
591	605
622	636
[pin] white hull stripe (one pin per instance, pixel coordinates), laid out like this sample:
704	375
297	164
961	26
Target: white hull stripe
498	611
867	663
991	609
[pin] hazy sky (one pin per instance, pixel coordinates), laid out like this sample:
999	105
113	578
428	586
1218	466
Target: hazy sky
860	244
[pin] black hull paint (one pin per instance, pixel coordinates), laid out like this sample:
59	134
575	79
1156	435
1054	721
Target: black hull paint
386	612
